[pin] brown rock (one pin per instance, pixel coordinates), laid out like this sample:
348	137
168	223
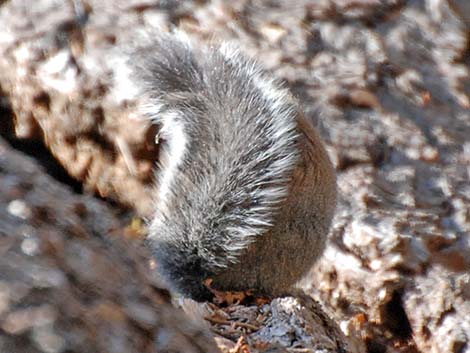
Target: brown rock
69	282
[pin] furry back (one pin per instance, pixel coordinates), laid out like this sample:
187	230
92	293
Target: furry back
229	150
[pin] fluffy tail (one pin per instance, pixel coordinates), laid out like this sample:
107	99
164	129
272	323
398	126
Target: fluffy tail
230	147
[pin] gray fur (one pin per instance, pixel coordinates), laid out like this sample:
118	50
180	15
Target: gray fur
231	145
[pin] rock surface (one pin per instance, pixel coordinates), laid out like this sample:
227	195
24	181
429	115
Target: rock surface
58	77
68	280
294	323
386	82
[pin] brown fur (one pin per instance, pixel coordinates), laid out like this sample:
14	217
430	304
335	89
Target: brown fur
280	257
245	190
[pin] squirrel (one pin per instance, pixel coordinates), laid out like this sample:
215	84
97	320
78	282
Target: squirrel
245	191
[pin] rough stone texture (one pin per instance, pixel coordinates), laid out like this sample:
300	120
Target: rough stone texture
387	84
68	280
58	78
298	322
294	323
